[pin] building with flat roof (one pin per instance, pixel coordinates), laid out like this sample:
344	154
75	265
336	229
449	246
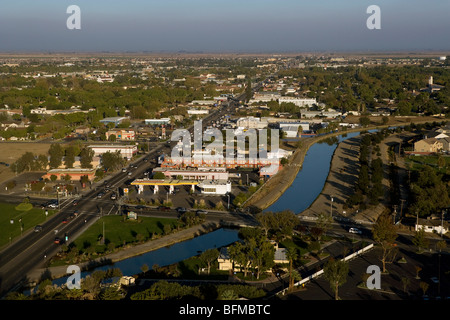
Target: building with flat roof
115	120
74	174
215	187
127	151
157	122
121	134
195	173
299	102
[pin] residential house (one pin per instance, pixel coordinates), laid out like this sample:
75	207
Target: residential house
432	225
429	145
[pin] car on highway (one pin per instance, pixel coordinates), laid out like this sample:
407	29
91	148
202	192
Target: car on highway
75	202
100	195
181	210
65	221
52	205
355	230
202	212
113	196
38	228
57	240
124	169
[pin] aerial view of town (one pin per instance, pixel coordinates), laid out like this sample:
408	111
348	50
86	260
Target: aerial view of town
191	176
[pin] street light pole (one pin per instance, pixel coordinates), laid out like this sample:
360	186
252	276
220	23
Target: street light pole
331	207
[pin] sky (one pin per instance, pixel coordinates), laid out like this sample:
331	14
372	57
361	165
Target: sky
224	26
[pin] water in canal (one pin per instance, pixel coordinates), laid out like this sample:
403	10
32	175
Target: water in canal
311	178
169	255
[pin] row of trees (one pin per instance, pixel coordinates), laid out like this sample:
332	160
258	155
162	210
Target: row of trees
369	185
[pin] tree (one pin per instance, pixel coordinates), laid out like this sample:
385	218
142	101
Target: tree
420	241
112	161
209	256
364	121
239	254
159	175
385	233
291	254
424	286
69	159
86	156
405	282
266	221
56	153
336	272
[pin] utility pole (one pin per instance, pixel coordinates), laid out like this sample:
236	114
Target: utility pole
401	208
394	213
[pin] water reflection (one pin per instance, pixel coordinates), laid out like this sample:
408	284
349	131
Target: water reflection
311	178
169	255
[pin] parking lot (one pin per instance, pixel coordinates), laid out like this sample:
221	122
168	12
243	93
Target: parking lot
392	283
182	196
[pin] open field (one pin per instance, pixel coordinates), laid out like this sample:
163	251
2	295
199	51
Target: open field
11	151
30	219
119	231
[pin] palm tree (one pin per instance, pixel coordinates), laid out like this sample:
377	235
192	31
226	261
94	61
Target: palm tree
291	254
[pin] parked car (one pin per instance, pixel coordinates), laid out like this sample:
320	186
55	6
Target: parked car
163	208
355	230
202	212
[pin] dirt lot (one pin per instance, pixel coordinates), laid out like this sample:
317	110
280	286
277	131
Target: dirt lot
11	151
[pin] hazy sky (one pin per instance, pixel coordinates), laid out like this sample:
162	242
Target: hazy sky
231	25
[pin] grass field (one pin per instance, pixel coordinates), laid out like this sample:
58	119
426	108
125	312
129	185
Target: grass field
29	218
417	162
119	232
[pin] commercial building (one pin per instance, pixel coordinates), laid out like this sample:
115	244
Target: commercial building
115	120
127	151
121	134
219	173
215	187
197	111
74	174
251	123
157	122
299	102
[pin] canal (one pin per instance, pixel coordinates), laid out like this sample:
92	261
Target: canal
306	187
